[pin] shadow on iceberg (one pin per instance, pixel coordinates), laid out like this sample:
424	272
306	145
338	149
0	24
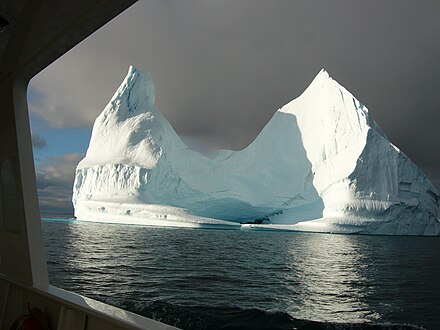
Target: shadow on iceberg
271	175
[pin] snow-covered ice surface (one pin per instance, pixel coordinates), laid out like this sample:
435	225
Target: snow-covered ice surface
320	164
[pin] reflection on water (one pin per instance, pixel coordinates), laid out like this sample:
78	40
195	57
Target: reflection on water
310	276
330	279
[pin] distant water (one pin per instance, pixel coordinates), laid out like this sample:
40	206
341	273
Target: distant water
237	279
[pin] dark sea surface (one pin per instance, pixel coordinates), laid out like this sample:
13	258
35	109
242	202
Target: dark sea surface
239	279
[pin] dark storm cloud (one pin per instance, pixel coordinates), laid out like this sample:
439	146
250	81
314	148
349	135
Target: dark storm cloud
222	68
38	142
55	178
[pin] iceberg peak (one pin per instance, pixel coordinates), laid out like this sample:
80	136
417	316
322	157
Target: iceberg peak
323	80
135	96
320	79
322	74
137	84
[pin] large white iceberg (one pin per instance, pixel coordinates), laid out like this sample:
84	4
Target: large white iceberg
320	164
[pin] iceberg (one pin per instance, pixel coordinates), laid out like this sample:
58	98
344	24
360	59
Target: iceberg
320	164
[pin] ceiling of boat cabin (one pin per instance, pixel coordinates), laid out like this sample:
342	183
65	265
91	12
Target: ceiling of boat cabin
32	41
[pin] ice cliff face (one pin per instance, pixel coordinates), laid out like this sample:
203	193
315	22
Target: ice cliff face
320	164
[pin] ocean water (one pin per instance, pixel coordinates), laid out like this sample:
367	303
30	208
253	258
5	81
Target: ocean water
238	279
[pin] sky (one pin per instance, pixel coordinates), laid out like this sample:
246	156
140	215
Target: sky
222	68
